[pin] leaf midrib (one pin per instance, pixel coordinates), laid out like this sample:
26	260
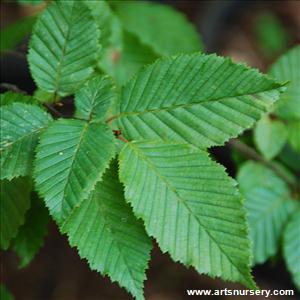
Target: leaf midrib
169	185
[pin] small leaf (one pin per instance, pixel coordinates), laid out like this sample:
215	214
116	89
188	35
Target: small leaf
15	201
21	125
160	27
124	61
107	234
5	294
270	136
190	205
12	97
291	247
14	33
269	206
94	98
71	158
63	47
294	135
287	68
200	99
31	235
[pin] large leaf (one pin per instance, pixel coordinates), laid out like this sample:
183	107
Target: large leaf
269	206
20	126
64	47
108	235
200	99
14	33
161	27
291	247
270	136
94	98
71	158
190	206
31	235
14	201
287	68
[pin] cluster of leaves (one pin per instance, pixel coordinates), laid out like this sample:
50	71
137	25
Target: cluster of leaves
132	163
274	213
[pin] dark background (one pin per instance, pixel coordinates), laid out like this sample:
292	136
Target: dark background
57	273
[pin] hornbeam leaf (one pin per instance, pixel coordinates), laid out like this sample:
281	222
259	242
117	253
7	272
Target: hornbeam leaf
160	27
31	234
107	234
94	98
21	125
14	201
64	46
71	157
287	68
191	207
291	247
269	206
200	99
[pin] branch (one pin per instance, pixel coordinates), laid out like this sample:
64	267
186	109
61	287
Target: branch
252	154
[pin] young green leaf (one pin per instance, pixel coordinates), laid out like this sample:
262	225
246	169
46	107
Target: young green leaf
21	125
14	201
71	158
287	68
12	97
200	99
107	234
269	206
294	135
160	27
94	98
13	34
63	47
31	235
190	205
291	247
270	136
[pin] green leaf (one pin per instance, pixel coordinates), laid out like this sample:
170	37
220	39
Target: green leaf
5	294
287	68
15	201
71	158
269	205
31	235
291	247
11	97
200	99
270	33
294	135
190	205
44	96
13	34
270	136
94	98
160	27
123	61
21	125
63	47
107	234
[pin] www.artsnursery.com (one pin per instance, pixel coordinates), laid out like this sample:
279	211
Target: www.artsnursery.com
235	292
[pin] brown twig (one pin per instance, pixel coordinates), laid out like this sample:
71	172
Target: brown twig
252	154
